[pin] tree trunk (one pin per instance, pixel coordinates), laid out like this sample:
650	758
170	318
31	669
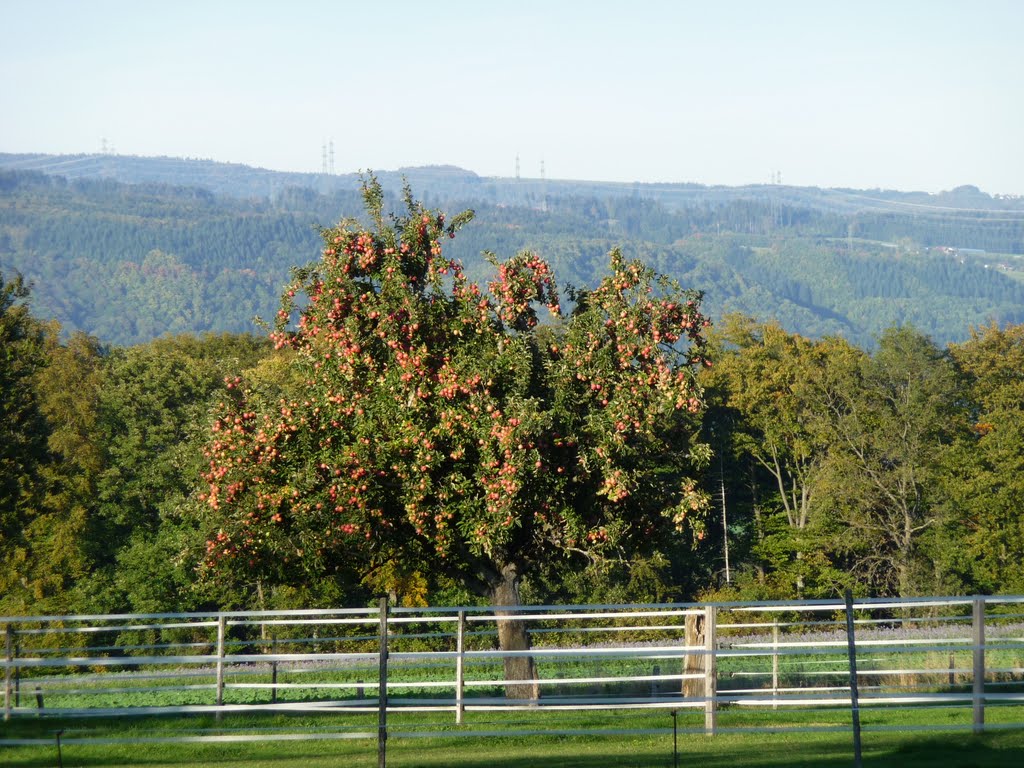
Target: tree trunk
512	636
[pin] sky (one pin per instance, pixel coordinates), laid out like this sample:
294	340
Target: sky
895	94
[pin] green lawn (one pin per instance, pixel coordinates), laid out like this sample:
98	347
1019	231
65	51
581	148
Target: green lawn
733	749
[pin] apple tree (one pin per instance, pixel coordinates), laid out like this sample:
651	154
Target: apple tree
441	426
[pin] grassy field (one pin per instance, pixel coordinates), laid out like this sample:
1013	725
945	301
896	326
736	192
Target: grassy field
810	735
652	748
732	751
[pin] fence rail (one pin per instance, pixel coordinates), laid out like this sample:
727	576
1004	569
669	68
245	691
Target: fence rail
953	662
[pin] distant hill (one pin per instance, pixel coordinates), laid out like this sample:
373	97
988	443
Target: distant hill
129	248
448	182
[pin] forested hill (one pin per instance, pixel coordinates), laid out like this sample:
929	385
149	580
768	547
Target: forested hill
445	183
202	246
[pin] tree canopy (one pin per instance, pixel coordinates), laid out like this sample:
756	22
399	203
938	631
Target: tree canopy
442	427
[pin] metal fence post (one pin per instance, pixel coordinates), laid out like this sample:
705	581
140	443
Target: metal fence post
273	668
382	695
775	663
978	688
17	672
710	670
851	649
460	669
221	631
8	667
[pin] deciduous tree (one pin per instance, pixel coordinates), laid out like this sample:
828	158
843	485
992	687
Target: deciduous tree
983	478
442	428
894	419
23	433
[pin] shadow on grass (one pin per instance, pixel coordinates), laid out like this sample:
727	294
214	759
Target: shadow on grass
891	750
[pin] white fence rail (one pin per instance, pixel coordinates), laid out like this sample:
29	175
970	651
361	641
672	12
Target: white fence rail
953	662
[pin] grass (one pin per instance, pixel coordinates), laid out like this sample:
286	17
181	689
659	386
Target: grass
732	750
804	736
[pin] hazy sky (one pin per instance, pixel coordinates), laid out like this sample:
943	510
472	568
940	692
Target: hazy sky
895	94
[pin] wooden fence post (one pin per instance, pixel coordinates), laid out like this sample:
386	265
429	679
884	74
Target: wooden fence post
978	640
693	662
8	668
460	669
710	670
382	690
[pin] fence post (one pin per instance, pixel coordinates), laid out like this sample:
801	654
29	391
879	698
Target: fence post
460	669
775	663
693	660
221	632
273	668
382	690
710	670
851	650
978	640
9	657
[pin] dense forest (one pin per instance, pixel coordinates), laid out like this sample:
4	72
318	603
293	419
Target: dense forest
121	249
891	466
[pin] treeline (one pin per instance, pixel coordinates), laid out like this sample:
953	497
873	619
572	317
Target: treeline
129	263
891	472
894	470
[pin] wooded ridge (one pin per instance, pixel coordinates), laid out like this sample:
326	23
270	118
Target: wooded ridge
128	262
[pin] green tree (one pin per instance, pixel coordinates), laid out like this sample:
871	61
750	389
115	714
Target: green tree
442	430
983	536
768	388
23	433
894	418
60	536
152	413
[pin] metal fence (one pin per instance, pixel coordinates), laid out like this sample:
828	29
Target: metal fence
950	662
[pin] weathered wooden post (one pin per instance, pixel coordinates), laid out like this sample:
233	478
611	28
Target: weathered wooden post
710	670
693	663
460	669
978	688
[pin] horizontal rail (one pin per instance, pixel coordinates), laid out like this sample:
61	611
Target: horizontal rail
774	655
